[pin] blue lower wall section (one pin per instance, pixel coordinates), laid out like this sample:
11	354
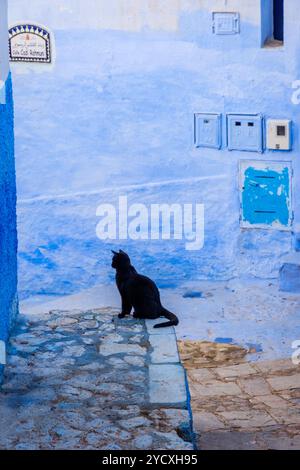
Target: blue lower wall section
63	254
8	231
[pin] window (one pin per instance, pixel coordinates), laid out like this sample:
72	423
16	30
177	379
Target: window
272	23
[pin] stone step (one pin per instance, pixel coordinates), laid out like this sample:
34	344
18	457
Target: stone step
167	385
289	277
293	258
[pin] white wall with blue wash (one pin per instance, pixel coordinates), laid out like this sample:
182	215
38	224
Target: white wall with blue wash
115	114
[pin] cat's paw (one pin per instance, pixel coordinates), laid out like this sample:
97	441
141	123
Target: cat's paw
122	315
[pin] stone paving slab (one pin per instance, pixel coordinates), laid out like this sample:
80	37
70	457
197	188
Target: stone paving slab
245	406
167	384
164	349
158	331
285	382
80	380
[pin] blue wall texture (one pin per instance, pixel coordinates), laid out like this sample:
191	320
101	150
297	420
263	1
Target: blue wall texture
115	115
8	232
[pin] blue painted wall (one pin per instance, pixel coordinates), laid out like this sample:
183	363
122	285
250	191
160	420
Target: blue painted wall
8	232
114	116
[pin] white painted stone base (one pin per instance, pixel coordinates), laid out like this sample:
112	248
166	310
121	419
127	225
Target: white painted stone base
164	349
2	353
167	385
159	331
2	92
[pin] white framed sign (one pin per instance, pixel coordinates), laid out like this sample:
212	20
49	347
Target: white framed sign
29	43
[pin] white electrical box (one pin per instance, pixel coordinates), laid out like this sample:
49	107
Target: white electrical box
279	135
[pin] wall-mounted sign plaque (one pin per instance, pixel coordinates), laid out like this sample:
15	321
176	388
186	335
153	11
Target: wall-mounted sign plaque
29	43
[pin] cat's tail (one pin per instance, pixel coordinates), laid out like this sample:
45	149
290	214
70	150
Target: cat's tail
173	320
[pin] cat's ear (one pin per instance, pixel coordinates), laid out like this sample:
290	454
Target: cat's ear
123	252
114	252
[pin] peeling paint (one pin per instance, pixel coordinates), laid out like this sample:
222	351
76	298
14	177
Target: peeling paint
267	203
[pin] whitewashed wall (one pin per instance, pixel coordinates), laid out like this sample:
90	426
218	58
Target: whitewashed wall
124	15
4	63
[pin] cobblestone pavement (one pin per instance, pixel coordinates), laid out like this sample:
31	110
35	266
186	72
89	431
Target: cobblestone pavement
246	405
77	380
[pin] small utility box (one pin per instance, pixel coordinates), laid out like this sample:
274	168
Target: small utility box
244	132
225	23
279	135
208	130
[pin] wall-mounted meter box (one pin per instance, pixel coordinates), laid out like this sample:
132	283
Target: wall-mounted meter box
244	132
279	134
208	130
225	23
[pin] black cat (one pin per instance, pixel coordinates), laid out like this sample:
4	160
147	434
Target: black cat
139	292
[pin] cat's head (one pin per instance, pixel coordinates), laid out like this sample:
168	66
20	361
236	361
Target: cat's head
120	260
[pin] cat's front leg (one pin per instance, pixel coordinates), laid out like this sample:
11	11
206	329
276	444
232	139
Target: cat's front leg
126	308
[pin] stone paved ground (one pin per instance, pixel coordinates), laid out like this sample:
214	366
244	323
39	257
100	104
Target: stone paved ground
246	405
76	380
